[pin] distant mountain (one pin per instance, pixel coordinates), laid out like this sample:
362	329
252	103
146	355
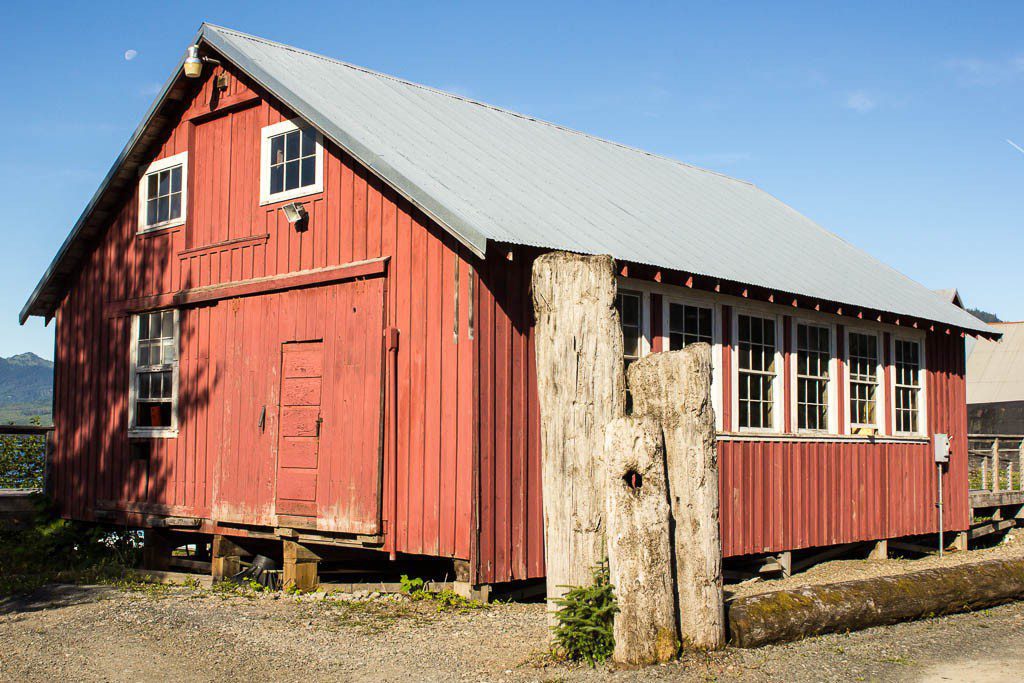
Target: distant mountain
984	316
26	389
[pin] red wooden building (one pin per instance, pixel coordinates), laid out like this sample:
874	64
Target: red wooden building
298	306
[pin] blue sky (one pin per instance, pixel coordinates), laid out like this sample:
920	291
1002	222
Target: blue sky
886	123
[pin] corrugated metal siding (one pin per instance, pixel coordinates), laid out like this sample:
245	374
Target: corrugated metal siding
780	495
231	238
491	174
488	175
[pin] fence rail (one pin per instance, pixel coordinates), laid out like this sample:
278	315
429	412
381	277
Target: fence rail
23	456
995	462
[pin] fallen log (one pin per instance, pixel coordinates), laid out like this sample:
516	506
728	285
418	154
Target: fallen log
675	389
639	545
788	615
581	388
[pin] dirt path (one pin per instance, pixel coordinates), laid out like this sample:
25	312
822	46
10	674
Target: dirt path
178	634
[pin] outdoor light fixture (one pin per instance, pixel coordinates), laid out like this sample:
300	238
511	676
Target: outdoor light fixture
194	63
296	214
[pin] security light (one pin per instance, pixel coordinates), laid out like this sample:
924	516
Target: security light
296	214
193	66
193	63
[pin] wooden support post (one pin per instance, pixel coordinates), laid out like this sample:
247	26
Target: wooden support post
984	475
300	567
156	550
994	468
1020	465
581	388
639	545
959	542
880	550
462	571
675	389
226	558
785	561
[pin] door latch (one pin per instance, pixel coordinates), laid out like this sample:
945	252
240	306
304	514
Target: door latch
319	421
262	424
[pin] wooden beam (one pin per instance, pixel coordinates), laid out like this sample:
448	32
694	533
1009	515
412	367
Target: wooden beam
255	286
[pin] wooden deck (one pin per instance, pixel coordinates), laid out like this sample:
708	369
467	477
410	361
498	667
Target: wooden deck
17	504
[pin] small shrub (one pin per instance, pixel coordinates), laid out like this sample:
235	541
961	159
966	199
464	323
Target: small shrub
411	587
585	614
48	549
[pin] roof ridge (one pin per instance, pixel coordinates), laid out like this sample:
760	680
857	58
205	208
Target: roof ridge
470	100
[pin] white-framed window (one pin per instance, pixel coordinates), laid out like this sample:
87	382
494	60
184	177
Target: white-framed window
153	393
630	306
908	386
689	324
864	379
291	161
813	349
163	193
693	317
758	393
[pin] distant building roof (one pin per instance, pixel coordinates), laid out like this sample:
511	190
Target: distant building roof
995	369
950	295
490	175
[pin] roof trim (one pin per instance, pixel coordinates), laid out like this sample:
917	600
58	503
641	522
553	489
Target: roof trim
29	308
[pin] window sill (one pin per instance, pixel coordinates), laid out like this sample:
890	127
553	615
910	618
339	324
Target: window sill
840	438
291	195
153	433
160	227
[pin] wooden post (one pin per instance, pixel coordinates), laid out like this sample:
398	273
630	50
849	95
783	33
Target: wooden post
984	474
581	388
880	551
995	465
300	568
785	561
1020	463
226	558
639	546
675	388
959	542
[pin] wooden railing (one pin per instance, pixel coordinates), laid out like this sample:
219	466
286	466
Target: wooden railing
23	456
995	462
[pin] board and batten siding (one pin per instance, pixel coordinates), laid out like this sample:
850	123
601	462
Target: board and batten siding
229	237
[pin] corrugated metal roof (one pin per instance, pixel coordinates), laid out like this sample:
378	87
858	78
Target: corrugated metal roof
995	369
487	174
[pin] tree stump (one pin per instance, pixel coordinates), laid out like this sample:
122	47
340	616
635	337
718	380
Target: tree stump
675	389
581	388
639	546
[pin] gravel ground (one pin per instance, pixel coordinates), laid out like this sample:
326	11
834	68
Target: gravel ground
180	634
1012	547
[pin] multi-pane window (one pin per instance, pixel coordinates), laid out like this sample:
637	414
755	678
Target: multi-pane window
162	193
293	160
813	351
908	385
163	196
629	306
154	391
756	371
862	364
688	325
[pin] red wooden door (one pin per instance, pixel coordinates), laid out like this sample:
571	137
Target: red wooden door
302	377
